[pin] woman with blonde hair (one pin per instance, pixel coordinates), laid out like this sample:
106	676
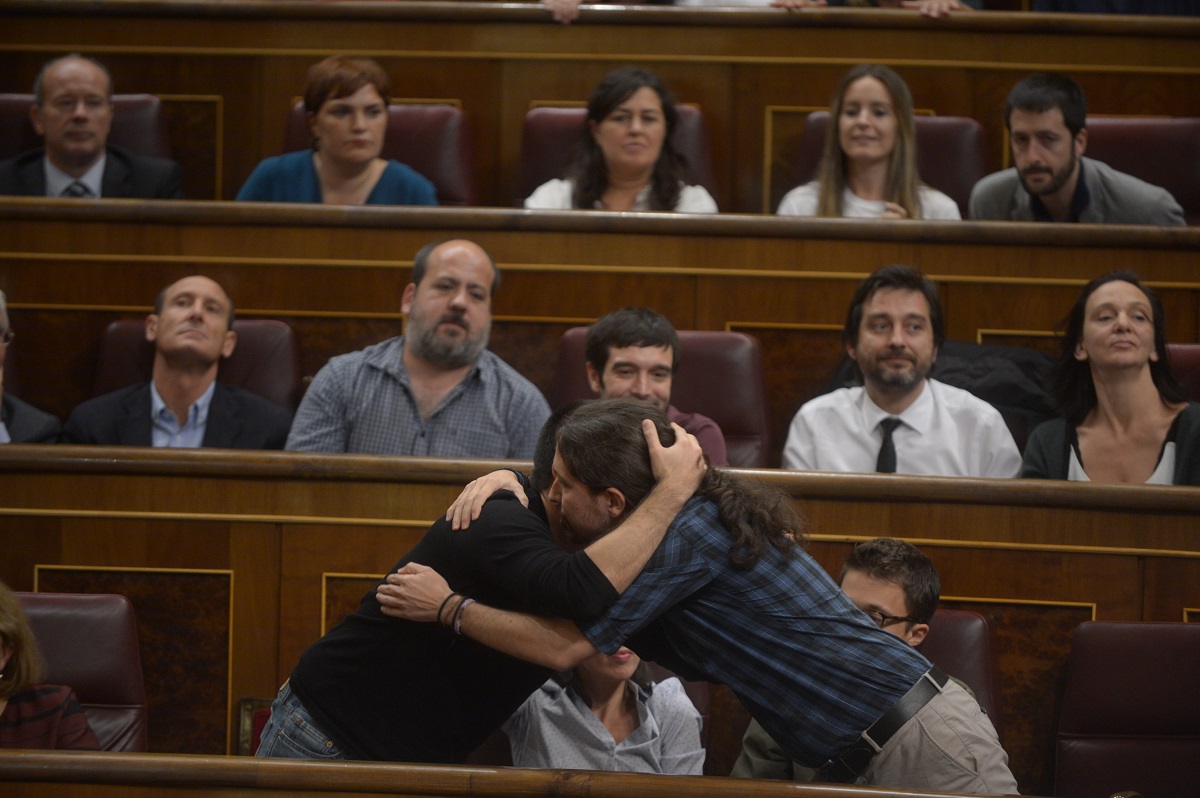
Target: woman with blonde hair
869	166
33	715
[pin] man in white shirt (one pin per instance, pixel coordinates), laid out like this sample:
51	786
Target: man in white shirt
899	420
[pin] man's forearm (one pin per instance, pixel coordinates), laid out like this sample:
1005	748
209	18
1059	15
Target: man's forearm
622	553
553	642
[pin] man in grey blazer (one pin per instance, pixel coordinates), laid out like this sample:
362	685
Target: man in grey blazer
20	422
183	405
1050	180
73	112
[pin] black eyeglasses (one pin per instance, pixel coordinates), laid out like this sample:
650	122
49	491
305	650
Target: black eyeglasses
7	336
883	620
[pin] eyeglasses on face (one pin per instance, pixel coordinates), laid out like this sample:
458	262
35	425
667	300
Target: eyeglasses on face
883	620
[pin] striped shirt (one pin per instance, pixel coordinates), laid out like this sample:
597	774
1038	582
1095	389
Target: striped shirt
808	665
45	716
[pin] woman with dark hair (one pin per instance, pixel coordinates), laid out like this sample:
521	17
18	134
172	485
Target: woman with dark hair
608	714
869	166
626	161
346	101
33	715
1125	417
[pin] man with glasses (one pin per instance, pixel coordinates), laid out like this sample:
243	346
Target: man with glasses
898	588
20	422
73	114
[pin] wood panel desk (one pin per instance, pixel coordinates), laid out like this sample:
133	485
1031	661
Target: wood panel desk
228	72
236	562
337	274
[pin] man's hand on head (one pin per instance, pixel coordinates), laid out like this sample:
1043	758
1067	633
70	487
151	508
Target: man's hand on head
469	504
680	466
415	593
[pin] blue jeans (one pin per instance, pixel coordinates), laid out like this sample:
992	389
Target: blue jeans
291	734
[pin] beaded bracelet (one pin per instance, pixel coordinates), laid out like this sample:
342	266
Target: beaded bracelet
445	601
462	605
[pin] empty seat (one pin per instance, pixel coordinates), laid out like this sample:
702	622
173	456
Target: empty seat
1164	152
90	644
266	360
138	125
951	153
1130	716
434	139
720	376
551	136
1185	363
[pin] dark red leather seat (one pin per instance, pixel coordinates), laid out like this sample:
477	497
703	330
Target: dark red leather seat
720	376
90	644
138	125
266	360
1185	362
551	136
434	139
951	153
1165	152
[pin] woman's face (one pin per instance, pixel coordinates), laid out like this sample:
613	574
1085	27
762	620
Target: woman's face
631	136
350	129
1118	327
867	125
611	667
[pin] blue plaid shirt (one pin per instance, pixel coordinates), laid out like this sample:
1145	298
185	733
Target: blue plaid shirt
809	665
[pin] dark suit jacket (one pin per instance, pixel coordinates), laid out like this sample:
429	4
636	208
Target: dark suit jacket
125	176
237	419
27	424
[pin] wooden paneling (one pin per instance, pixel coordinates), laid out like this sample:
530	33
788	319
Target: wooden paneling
743	67
304	536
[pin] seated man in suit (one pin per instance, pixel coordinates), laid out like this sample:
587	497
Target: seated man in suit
183	405
73	112
896	585
20	422
1050	180
635	352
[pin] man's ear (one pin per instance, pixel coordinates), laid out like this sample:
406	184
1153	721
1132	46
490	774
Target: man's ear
229	344
594	379
850	349
916	634
406	301
151	327
35	117
614	502
1081	141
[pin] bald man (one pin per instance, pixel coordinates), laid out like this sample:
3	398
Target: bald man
436	391
183	405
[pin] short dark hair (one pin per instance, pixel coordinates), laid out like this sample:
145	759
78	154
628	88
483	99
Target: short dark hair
39	98
162	298
891	560
542	475
629	327
421	262
589	170
1043	91
895	276
1073	387
340	76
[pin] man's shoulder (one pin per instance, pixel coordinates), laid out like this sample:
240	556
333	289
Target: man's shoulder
29	424
959	400
492	364
112	400
252	402
1121	198
18	173
995	195
692	422
376	355
835	400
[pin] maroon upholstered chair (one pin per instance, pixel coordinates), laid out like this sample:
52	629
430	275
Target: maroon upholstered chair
1130	716
266	360
1185	363
961	643
552	135
138	125
1165	152
720	376
951	153
434	139
90	644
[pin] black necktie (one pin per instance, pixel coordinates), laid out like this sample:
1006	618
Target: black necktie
886	463
77	189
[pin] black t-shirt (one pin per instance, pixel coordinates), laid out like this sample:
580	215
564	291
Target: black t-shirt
387	689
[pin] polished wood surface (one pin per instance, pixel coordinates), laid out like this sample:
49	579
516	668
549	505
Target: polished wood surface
282	545
337	274
71	774
228	72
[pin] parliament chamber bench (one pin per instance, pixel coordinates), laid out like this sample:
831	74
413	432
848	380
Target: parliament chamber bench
236	562
228	73
336	275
